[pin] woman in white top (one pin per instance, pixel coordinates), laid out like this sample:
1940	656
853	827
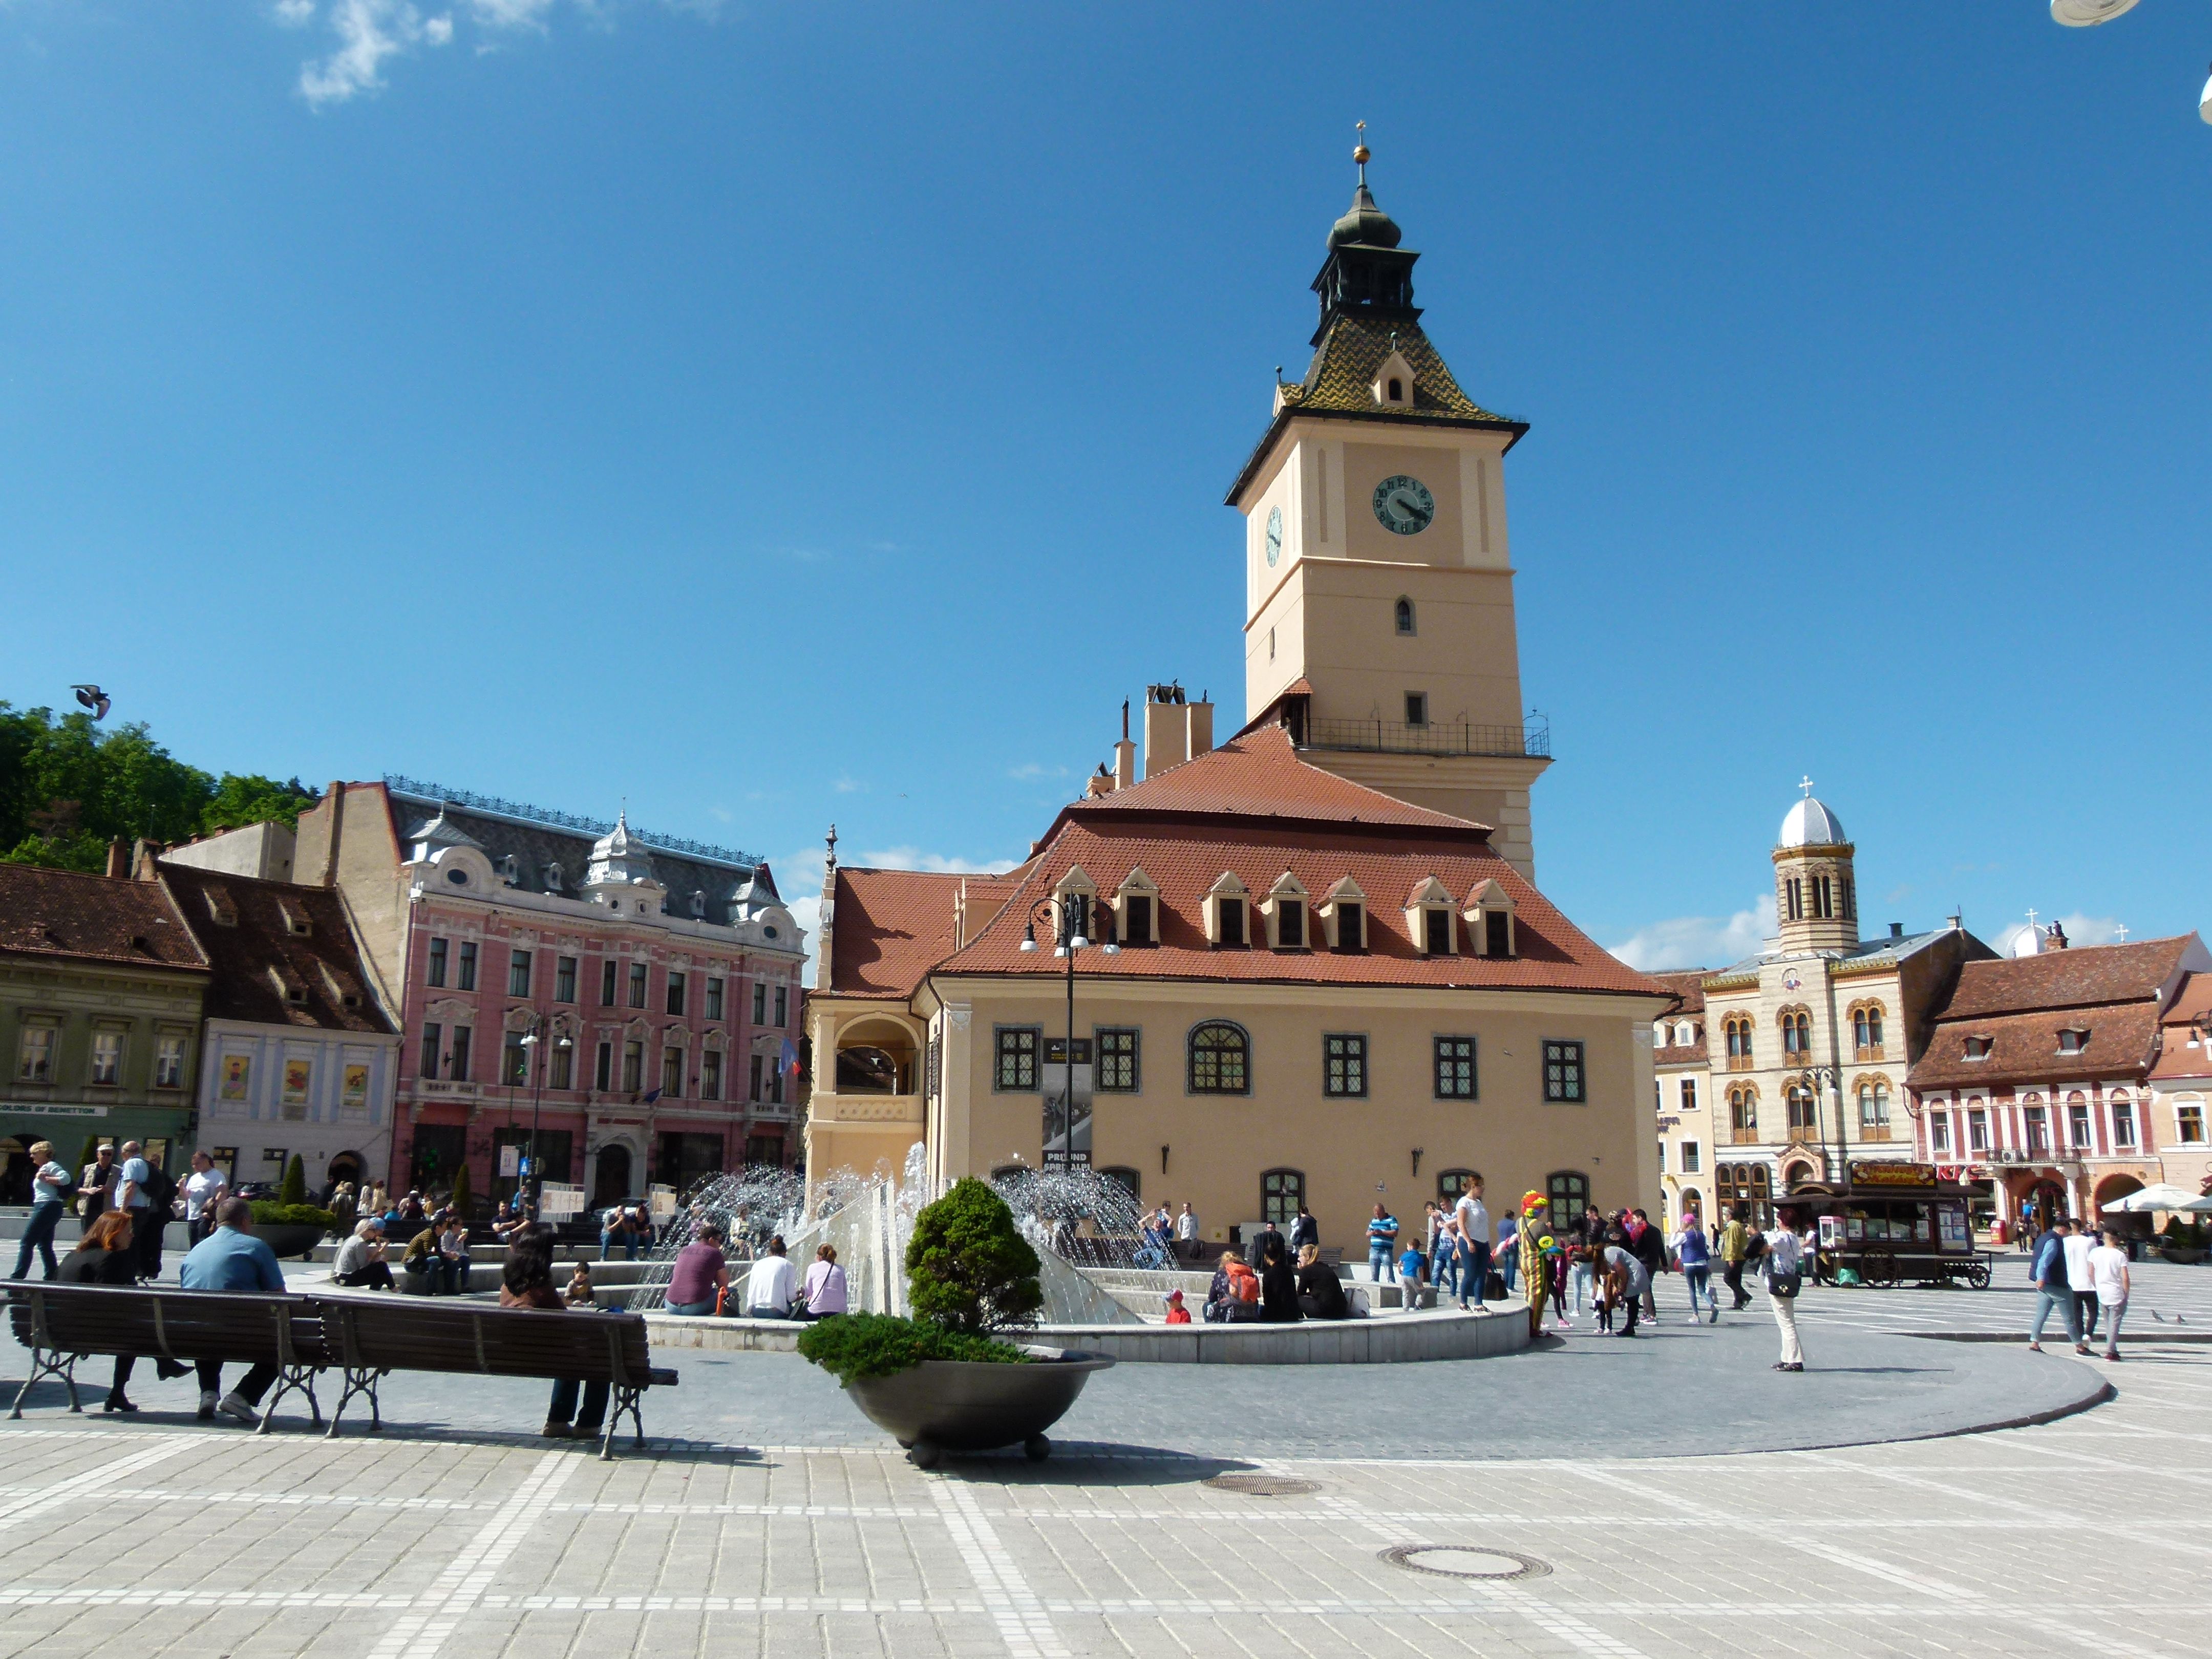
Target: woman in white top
50	1188
1782	1267
825	1284
360	1260
2108	1274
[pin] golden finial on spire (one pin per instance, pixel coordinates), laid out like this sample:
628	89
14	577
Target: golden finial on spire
1359	150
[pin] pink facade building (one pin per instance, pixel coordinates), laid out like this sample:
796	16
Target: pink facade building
631	1001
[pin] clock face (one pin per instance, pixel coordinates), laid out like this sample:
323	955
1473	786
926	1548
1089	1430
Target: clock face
1404	505
1274	535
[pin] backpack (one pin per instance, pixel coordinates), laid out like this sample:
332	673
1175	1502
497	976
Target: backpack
161	1190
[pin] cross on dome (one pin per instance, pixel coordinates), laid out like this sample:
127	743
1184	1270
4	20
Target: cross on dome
1806	784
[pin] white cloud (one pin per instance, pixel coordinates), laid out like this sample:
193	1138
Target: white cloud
845	786
1698	941
799	878
1036	769
913	858
510	14
368	31
293	14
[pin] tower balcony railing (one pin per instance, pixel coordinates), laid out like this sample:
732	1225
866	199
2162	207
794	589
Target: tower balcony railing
1437	738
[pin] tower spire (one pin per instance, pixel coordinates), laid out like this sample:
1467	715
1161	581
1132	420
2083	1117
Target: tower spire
1359	151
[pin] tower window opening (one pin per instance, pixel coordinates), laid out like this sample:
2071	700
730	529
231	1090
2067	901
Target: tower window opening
1397	390
1404	615
1417	708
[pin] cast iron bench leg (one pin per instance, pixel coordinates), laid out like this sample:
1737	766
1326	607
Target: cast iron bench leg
49	1362
294	1379
360	1384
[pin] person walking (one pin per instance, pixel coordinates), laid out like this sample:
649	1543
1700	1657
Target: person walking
1185	1232
1476	1234
1736	1247
50	1192
160	1210
2080	1240
1532	1262
132	1178
95	1187
1781	1267
1692	1255
1304	1229
204	1190
1649	1245
1507	1254
2108	1273
1382	1234
231	1259
2047	1270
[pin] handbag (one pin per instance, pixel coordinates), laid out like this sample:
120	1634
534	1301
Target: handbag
1785	1286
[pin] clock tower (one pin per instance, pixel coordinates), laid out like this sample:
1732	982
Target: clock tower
1379	624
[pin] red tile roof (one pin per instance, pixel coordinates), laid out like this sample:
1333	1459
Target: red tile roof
1689	988
59	913
1258	774
2176	1059
258	958
2068	979
1185	860
893	926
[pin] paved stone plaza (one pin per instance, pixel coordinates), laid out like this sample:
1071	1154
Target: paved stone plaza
457	1533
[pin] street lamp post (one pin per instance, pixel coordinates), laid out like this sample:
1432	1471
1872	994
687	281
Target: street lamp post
1821	1079
1070	938
532	1039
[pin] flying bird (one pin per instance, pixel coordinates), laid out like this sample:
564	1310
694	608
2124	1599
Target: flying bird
93	698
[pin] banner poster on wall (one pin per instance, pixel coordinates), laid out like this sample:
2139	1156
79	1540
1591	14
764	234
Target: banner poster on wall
1067	1131
237	1071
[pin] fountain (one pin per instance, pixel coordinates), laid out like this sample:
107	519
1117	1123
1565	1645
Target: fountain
1070	1219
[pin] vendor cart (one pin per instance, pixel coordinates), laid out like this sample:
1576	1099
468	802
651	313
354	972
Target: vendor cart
1891	1224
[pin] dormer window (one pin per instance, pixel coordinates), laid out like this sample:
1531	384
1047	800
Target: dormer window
1977	1047
1429	919
699	903
2072	1041
1286	905
219	908
510	870
553	877
1490	924
1343	915
1394	382
1136	908
1072	898
295	920
1226	920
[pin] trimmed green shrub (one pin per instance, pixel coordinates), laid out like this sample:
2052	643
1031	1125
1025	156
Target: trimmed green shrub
968	1266
90	1152
266	1214
293	1189
849	1345
462	1199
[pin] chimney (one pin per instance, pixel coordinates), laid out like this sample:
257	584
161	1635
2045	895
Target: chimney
1198	729
118	859
2056	939
145	860
1167	728
1101	783
1124	753
1897	930
1953	920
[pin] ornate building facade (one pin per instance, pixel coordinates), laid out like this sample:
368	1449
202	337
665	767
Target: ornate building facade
628	1006
1787	1064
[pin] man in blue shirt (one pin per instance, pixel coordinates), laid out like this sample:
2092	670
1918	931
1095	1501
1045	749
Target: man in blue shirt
231	1259
2051	1287
1382	1234
131	1178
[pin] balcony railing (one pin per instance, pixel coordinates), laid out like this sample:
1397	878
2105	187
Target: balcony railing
1397	737
1742	1136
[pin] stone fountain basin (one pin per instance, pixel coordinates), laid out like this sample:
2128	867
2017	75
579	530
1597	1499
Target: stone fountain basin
968	1405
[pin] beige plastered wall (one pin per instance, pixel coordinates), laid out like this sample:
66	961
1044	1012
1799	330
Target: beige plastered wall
1218	1145
365	873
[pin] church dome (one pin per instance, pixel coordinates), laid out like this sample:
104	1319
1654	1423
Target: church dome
1365	224
1809	824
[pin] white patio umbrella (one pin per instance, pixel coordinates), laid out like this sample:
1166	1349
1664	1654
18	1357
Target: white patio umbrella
2163	1196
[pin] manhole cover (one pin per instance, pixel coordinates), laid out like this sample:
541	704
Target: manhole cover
1263	1486
1465	1561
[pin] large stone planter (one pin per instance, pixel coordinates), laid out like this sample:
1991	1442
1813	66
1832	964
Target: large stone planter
2182	1254
288	1238
947	1405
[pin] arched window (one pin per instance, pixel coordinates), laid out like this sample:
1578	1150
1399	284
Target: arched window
1569	1191
1405	607
1747	1185
1804	1110
1859	1028
1873	1111
1737	1027
1451	1183
1282	1195
1397	392
1743	1113
1127	1179
1220	1059
1796	1032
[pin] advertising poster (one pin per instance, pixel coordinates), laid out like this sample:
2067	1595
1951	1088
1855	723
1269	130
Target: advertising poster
237	1074
356	1086
297	1074
1066	1128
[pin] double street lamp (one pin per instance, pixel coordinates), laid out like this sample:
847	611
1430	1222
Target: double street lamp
1068	936
534	1040
1822	1079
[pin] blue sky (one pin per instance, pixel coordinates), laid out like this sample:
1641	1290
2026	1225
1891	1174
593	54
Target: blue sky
775	414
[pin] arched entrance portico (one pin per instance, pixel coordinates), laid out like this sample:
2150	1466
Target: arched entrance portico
610	1176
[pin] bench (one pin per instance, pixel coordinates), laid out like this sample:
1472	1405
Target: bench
366	1338
369	1338
61	1324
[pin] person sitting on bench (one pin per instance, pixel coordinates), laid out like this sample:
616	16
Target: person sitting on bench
700	1276
525	1280
360	1260
106	1255
773	1285
231	1259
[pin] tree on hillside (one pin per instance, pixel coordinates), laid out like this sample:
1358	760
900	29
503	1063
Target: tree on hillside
67	789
